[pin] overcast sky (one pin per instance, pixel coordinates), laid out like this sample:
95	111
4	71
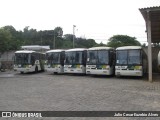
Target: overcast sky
97	19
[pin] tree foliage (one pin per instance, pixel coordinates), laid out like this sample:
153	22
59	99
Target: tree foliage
5	39
10	39
58	31
122	40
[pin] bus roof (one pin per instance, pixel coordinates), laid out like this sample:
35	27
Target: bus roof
129	47
35	47
100	48
56	50
76	49
25	51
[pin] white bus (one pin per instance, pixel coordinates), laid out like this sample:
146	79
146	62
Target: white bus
100	61
28	61
55	61
130	61
75	60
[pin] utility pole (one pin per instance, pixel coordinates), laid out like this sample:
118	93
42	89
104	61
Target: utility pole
54	41
73	34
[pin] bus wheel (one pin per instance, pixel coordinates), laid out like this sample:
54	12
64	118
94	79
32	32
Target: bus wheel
36	69
118	76
21	72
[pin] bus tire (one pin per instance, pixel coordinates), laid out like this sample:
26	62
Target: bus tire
55	73
118	76
36	69
21	72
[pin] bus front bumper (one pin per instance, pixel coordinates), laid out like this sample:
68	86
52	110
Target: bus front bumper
24	69
54	70
98	72
73	70
128	73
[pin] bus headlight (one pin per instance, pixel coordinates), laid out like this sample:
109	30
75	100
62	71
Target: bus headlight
29	66
138	67
107	67
46	61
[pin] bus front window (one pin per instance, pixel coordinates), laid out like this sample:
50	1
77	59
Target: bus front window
56	58
77	58
103	57
73	57
121	57
68	59
22	58
92	57
134	57
53	58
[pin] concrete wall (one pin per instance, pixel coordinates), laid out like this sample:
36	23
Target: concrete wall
6	60
7	56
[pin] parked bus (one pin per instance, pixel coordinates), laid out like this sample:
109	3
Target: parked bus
130	61
28	61
75	60
100	61
55	61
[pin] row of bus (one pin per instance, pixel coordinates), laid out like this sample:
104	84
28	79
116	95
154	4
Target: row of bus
124	61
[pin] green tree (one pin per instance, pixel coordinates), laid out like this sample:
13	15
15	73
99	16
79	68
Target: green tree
68	37
144	45
91	43
12	39
58	31
26	35
122	40
5	40
30	36
16	38
85	43
67	41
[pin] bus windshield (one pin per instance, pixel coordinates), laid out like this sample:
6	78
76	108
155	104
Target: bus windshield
131	57
98	57
134	57
22	58
53	58
74	57
121	57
